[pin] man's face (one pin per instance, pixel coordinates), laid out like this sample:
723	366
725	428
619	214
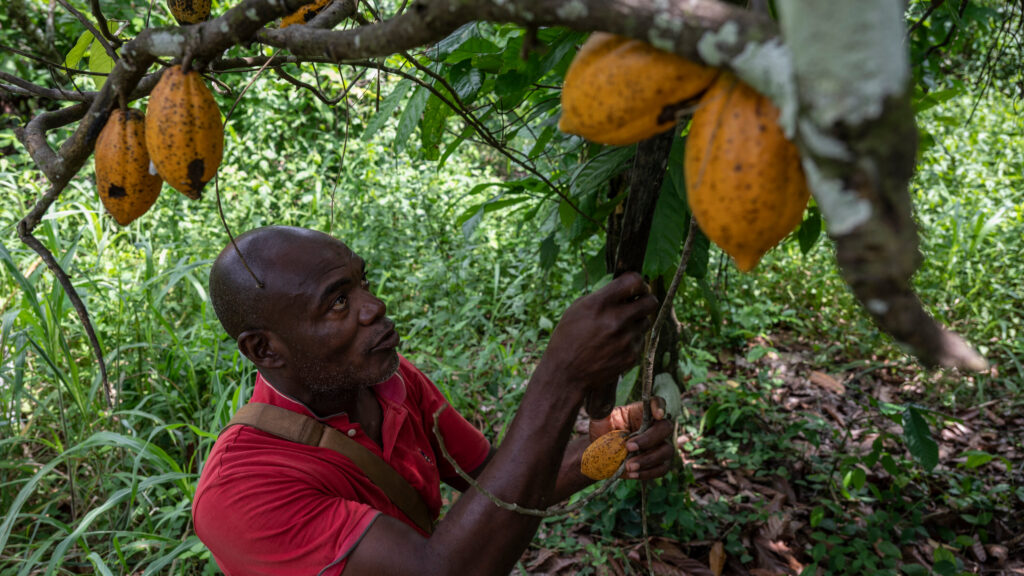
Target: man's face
337	334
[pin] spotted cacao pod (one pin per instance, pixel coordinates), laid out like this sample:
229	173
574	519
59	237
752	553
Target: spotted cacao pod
744	181
189	11
184	133
603	456
123	180
304	14
620	91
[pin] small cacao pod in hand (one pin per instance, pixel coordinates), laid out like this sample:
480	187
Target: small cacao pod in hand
304	14
184	133
620	91
604	456
123	180
744	181
189	11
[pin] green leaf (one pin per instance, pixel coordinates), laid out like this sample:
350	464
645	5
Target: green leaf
665	387
976	458
599	169
446	47
914	570
670	222
411	116
432	127
387	106
566	213
817	514
700	254
78	51
99	62
466	81
919	439
471	218
548	252
510	88
809	230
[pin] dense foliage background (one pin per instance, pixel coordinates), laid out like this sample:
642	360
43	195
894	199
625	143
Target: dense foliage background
807	440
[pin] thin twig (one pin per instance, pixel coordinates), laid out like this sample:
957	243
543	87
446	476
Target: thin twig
216	180
25	234
27	88
104	27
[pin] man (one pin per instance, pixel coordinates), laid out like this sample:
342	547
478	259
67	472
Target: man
302	311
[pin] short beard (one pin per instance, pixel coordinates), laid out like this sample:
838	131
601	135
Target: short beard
324	385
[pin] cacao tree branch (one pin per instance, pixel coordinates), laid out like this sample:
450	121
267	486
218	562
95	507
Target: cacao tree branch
858	140
675	27
26	88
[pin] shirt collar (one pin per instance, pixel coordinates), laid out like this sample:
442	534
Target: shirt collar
392	390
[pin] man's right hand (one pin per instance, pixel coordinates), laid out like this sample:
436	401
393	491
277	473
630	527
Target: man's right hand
601	335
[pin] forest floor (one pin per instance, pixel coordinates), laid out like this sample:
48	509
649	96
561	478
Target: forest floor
955	507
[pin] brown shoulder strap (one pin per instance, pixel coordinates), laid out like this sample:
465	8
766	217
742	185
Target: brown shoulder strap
293	426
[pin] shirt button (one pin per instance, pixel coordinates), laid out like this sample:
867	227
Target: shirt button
351	432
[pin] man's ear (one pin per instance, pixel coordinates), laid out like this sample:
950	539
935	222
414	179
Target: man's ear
263	348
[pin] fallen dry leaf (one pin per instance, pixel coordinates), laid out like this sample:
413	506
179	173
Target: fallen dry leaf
827	382
716	560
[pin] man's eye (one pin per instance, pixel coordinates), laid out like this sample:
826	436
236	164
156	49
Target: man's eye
365	281
340	303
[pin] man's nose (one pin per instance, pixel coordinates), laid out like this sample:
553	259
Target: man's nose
371	310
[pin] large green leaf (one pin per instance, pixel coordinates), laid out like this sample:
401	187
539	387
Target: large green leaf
670	222
435	115
78	51
919	439
809	230
599	169
411	116
387	106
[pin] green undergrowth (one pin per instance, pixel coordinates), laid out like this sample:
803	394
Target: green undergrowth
89	488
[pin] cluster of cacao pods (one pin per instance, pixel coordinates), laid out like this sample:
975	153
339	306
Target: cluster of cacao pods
744	181
181	135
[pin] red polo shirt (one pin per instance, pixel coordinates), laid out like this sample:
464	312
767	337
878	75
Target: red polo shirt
269	506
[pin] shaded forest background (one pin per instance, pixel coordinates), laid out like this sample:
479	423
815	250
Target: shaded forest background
807	440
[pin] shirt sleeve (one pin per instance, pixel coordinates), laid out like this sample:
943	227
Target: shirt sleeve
270	521
465	443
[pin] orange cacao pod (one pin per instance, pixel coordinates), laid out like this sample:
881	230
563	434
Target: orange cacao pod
744	181
123	180
189	11
304	14
184	133
603	456
620	91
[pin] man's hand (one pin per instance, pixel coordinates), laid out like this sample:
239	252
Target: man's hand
653	450
600	336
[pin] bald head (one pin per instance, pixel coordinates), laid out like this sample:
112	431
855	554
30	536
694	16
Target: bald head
274	255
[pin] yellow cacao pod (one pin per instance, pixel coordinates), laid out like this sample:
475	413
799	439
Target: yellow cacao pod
744	181
189	11
304	14
620	91
123	180
184	133
603	456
